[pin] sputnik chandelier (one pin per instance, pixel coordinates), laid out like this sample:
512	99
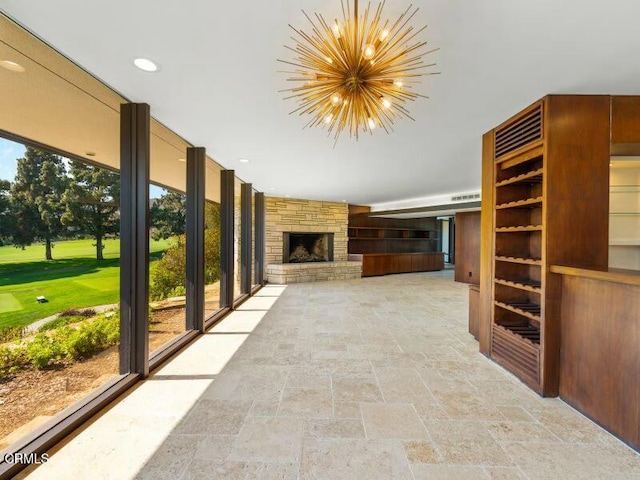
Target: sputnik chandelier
357	73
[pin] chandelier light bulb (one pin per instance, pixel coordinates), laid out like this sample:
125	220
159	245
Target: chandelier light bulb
372	124
369	52
336	99
398	83
329	59
336	30
386	103
328	118
384	34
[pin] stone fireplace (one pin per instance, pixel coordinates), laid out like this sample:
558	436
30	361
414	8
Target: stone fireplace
306	241
306	247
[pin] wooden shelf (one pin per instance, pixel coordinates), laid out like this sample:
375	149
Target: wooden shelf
523	155
534	176
393	229
527	203
522	228
520	260
528	310
526	331
527	285
421	239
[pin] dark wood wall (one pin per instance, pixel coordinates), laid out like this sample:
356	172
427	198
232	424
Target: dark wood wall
600	354
467	267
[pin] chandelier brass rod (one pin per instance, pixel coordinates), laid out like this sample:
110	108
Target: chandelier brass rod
396	29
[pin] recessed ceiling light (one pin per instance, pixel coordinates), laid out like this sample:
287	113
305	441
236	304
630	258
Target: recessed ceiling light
244	160
287	195
182	160
272	188
145	64
344	201
13	66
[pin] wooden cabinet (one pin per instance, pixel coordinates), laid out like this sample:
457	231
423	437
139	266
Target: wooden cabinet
389	263
467	265
600	358
391	240
391	245
547	168
474	312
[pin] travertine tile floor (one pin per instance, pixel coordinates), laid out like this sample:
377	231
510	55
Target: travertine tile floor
363	379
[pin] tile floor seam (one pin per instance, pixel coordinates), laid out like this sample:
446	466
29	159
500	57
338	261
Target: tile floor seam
375	375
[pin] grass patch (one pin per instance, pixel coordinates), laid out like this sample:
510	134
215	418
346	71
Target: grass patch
9	303
75	279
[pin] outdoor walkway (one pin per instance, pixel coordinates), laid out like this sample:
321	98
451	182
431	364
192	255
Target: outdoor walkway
357	380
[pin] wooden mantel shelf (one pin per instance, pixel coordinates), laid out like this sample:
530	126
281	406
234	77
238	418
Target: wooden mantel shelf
615	275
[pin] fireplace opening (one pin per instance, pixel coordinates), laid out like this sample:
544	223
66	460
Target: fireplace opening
307	247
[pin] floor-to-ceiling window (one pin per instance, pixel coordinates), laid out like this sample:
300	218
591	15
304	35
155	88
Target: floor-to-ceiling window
62	236
237	238
167	237
212	239
59	283
254	279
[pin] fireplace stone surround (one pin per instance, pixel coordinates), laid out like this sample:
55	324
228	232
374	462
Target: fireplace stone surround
296	216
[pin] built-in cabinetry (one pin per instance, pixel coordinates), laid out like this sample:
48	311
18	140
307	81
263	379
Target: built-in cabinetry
392	245
547	168
467	247
391	240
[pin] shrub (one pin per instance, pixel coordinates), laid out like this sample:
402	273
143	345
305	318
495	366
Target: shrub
170	271
91	338
61	321
45	350
74	312
54	347
7	334
168	276
12	359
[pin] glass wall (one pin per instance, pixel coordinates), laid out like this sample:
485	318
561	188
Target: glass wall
212	239
237	238
60	236
59	282
167	240
254	278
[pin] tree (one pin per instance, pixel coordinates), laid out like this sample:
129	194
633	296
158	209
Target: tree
37	194
168	215
7	223
169	275
211	243
92	202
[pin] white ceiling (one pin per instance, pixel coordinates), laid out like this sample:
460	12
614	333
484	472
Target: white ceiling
218	85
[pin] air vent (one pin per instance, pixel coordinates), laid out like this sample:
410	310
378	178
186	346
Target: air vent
465	197
519	133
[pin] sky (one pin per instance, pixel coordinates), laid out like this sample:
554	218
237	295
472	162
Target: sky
11	151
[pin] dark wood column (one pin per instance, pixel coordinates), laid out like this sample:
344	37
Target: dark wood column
227	184
196	158
245	234
134	238
260	237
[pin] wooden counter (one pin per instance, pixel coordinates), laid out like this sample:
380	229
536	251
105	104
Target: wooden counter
600	347
374	264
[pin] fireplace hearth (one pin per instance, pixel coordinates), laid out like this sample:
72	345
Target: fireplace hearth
307	247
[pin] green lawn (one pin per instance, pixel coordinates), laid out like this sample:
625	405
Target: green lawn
74	279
